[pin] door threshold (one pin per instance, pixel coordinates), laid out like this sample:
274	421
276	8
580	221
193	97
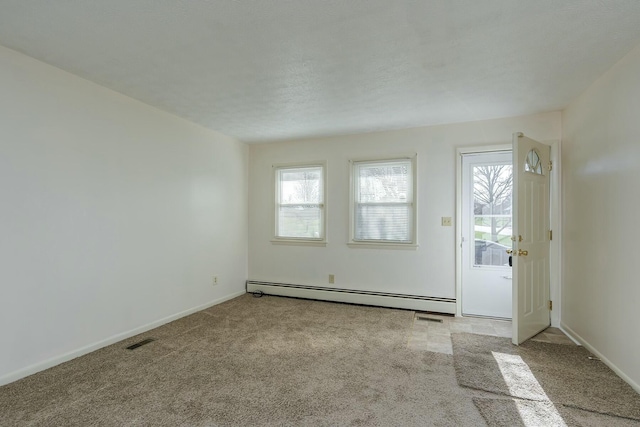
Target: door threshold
478	316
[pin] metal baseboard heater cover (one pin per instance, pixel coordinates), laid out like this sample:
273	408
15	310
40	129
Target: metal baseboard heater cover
380	299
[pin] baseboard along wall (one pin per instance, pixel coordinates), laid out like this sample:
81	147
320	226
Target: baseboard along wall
409	302
576	337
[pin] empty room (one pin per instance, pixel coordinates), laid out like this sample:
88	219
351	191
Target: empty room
319	213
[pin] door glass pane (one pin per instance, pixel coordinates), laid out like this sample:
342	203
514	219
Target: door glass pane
532	163
492	190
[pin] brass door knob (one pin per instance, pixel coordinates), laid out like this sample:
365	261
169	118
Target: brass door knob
509	251
522	253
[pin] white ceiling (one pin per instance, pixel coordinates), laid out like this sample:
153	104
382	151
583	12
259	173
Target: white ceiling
263	70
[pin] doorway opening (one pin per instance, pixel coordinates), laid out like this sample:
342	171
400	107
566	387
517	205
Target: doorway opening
535	240
486	202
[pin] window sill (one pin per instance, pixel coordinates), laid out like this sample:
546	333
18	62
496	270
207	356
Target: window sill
319	243
380	245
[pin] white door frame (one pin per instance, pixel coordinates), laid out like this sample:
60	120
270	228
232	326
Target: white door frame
555	264
486	290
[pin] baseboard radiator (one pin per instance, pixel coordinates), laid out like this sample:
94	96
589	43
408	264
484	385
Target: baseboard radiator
380	299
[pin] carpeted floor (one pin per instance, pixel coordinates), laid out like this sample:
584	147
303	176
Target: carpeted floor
253	361
266	361
501	412
545	378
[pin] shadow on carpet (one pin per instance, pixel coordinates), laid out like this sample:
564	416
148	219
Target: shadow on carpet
553	374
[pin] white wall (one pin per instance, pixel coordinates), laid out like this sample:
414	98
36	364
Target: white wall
428	271
601	165
113	215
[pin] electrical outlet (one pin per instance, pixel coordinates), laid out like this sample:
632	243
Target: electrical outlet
446	221
215	281
332	278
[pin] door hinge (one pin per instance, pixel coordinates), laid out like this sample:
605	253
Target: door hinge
550	166
550	305
550	234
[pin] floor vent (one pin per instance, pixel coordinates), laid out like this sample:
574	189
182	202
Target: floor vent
140	344
429	319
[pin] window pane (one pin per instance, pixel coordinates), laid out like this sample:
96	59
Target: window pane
300	202
301	185
383	222
532	163
492	196
491	253
384	182
492	185
300	221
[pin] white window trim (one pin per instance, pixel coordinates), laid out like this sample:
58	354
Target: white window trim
373	244
299	241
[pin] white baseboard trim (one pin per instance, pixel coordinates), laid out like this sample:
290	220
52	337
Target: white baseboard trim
409	302
576	337
46	364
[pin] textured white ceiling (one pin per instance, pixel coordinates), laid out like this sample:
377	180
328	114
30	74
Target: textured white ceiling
263	70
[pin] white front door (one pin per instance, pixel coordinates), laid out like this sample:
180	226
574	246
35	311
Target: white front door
486	234
531	313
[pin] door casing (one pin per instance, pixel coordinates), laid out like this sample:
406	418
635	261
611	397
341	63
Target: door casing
478	279
555	261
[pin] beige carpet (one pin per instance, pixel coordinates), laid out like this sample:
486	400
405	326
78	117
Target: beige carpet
287	362
253	361
531	413
560	375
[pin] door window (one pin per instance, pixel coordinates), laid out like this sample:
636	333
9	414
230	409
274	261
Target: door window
492	189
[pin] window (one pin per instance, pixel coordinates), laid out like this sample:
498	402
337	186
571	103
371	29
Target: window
532	163
383	202
300	203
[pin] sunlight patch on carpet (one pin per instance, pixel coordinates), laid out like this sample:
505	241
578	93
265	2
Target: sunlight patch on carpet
531	415
537	371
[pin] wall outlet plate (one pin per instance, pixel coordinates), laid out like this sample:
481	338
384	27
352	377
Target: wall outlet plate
446	221
215	281
332	278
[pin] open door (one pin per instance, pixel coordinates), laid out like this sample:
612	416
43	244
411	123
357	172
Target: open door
531	166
